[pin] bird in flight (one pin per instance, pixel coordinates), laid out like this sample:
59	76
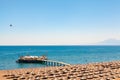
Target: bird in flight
11	25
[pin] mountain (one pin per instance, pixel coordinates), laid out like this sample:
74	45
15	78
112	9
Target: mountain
109	42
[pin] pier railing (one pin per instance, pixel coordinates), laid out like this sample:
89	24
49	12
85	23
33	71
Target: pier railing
55	63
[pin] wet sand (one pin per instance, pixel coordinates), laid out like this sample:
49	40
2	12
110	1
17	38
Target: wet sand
91	71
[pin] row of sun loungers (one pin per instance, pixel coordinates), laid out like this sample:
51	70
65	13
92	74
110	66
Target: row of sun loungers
92	71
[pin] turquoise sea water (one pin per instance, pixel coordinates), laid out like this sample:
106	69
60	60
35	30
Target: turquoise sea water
68	54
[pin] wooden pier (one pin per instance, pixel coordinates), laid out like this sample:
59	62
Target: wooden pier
41	59
54	63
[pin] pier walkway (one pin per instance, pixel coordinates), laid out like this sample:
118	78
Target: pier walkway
55	63
40	59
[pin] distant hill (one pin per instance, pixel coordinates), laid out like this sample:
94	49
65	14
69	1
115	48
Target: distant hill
109	42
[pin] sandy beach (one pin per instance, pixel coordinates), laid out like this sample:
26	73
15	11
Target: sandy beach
91	71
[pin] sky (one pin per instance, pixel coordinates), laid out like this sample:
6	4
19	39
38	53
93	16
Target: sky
58	22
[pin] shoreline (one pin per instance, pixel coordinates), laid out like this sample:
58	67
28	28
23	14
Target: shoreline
90	71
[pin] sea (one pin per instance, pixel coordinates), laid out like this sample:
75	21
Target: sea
67	54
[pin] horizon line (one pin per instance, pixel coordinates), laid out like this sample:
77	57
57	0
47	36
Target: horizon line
65	45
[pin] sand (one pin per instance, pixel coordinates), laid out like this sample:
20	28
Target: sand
91	71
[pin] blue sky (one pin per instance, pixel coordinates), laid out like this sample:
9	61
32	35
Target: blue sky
58	22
